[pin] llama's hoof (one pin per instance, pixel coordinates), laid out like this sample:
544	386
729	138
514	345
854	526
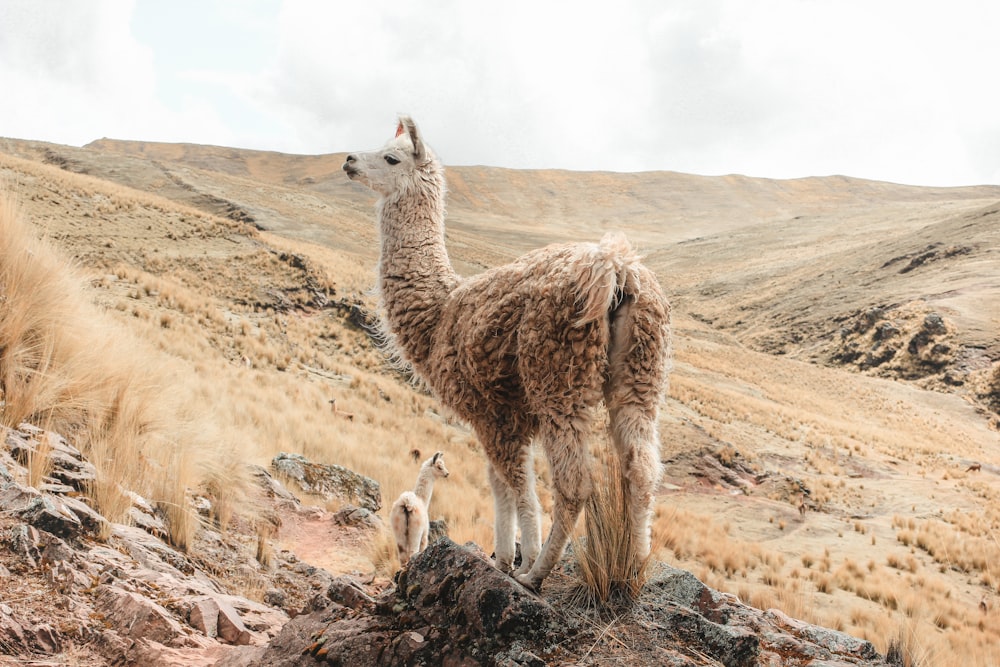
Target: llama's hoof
528	582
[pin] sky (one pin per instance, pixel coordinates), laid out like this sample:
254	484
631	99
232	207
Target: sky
896	90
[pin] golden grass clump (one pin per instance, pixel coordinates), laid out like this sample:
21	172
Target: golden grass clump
608	570
66	367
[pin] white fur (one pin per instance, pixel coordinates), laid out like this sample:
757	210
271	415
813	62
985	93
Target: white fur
409	516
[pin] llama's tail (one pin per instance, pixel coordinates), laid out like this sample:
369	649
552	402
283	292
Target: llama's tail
410	533
639	361
604	277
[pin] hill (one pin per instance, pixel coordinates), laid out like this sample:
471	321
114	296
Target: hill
836	342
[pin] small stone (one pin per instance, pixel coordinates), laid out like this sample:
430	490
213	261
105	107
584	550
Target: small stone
204	616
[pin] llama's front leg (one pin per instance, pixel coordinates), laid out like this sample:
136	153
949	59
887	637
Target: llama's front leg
528	511
572	485
504	526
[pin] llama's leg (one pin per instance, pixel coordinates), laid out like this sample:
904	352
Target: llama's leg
565	448
638	445
528	511
504	527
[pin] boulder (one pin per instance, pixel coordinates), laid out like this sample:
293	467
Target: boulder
135	616
329	480
204	616
451	606
44	512
230	625
69	467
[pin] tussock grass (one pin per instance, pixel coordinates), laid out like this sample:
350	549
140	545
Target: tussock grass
607	567
65	366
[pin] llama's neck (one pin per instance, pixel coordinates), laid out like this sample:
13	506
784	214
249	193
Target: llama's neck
415	274
425	485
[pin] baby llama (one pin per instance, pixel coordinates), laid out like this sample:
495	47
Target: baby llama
524	352
410	516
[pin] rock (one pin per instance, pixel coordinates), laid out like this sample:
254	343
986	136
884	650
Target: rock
69	467
437	529
346	591
135	616
272	487
735	634
230	625
11	632
275	597
329	480
144	515
257	617
836	643
25	542
204	616
934	324
451	606
46	638
91	521
43	512
357	516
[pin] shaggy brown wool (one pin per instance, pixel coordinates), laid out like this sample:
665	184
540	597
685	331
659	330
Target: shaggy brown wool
524	351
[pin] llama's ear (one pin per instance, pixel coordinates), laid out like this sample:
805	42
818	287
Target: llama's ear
407	124
437	455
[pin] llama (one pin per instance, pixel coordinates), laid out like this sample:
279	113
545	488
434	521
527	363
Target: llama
410	516
524	352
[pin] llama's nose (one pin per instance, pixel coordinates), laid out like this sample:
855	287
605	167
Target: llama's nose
349	161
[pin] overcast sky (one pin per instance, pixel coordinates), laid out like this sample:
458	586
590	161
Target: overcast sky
902	91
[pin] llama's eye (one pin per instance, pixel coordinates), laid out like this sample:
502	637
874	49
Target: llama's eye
392	159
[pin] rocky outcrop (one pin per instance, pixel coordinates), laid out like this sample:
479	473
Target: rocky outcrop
452	607
120	593
329	480
907	342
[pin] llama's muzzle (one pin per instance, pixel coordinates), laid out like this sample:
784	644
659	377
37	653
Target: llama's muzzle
349	168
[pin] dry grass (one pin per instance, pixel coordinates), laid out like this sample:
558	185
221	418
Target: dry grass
64	365
608	571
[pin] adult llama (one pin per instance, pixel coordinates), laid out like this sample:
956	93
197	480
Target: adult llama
524	352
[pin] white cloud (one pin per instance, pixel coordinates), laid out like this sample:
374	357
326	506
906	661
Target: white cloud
891	90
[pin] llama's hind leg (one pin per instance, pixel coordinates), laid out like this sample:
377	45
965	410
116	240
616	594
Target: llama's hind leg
528	511
504	517
638	445
572	484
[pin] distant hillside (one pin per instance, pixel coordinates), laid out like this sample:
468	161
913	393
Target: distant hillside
784	265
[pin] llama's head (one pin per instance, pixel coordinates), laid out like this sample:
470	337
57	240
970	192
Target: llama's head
397	167
436	465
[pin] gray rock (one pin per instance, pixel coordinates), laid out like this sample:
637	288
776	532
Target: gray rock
417	623
329	480
357	516
272	487
43	512
346	591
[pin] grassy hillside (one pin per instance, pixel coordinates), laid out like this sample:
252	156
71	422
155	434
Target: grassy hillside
801	474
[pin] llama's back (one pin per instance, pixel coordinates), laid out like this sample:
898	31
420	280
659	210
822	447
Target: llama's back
537	329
